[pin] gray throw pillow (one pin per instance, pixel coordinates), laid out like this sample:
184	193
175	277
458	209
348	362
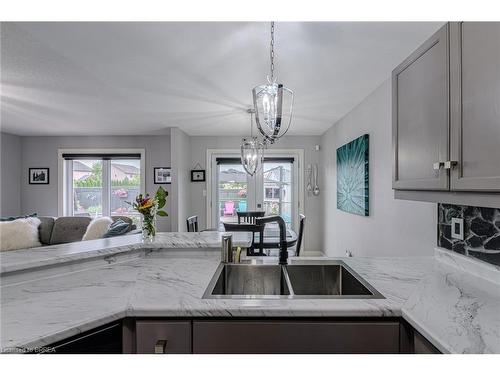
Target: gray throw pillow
117	228
12	218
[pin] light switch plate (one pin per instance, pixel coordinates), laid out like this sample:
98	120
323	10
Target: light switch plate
457	228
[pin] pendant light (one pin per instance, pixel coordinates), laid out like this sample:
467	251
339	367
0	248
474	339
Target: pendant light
273	103
252	150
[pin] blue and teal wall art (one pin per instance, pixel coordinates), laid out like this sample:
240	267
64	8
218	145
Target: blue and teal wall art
352	177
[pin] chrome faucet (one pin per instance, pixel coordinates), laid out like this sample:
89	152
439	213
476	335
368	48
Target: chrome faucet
283	254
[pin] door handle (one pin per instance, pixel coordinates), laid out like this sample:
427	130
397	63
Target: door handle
160	346
437	166
450	164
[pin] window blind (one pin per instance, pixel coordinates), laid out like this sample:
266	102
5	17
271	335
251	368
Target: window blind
269	159
100	156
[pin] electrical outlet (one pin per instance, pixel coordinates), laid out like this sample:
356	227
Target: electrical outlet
457	228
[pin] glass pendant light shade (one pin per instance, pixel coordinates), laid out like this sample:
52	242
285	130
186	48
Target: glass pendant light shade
273	105
252	155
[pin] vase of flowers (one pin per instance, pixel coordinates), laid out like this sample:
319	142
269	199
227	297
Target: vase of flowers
150	208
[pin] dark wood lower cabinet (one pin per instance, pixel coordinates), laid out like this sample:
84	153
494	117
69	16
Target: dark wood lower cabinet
422	346
250	336
163	337
103	340
275	336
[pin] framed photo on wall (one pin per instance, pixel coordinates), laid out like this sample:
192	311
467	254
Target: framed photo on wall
197	175
162	175
38	176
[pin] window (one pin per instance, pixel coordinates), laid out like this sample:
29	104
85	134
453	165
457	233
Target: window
101	184
274	189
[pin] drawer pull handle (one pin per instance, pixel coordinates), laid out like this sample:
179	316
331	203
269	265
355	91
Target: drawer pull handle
160	346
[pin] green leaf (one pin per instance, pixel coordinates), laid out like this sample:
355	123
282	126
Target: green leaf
161	213
161	197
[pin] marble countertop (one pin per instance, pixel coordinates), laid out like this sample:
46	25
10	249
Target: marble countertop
457	305
45	309
38	257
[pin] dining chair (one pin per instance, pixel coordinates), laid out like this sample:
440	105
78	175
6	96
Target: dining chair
249	216
254	228
192	223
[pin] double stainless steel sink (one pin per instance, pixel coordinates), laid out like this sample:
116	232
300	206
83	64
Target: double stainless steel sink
298	280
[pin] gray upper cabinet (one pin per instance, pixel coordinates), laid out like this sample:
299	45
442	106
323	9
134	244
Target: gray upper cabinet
475	104
446	112
420	116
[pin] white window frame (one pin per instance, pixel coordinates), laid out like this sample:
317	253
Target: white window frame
65	186
213	154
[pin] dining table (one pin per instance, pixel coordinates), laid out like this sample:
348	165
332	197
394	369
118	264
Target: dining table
271	237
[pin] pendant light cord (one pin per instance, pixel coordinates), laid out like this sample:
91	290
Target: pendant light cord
251	125
271	51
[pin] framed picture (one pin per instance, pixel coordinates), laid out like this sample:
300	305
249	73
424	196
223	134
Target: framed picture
353	177
163	175
197	175
38	176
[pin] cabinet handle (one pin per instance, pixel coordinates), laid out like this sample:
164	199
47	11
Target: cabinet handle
160	346
438	165
450	164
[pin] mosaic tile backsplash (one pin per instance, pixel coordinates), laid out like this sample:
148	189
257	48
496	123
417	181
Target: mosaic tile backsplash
481	231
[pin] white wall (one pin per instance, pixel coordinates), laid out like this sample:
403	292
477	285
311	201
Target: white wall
42	152
394	227
11	175
312	205
181	177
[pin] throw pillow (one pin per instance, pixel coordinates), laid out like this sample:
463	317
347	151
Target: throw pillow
19	234
12	218
118	228
97	228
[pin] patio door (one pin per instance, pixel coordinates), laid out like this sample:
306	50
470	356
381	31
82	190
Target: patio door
274	189
234	190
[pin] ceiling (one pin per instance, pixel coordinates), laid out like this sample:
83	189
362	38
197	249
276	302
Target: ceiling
124	78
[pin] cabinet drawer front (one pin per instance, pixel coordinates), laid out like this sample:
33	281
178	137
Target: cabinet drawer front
176	333
420	116
295	337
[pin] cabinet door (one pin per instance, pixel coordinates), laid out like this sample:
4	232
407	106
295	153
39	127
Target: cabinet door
420	120
167	336
423	346
281	336
475	85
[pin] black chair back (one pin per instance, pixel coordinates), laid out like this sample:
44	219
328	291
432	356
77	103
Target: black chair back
249	216
192	223
302	225
254	228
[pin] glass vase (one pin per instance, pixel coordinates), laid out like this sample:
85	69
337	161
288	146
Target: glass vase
148	226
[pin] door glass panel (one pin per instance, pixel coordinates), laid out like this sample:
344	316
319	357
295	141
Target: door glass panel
278	193
232	192
125	178
87	188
